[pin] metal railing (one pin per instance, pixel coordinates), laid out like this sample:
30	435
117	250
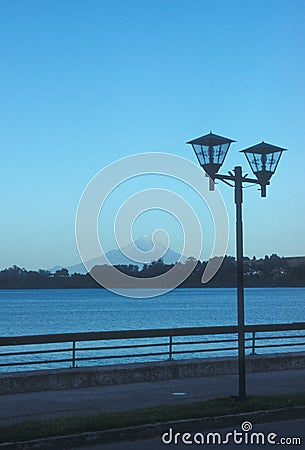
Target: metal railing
73	349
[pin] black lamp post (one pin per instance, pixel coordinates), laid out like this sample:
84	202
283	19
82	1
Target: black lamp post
263	158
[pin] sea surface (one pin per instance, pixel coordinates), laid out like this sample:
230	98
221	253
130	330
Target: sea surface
32	312
44	311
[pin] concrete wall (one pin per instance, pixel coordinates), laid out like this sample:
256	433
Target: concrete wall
56	379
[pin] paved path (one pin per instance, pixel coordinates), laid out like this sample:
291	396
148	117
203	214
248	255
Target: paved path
43	405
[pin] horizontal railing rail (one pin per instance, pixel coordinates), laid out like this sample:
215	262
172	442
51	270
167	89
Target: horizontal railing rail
108	335
130	345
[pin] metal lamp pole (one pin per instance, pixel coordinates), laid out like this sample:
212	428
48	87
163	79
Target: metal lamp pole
240	283
237	178
263	158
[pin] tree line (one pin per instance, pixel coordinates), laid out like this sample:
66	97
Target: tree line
270	271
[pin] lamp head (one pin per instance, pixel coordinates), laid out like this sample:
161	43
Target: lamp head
211	151
263	159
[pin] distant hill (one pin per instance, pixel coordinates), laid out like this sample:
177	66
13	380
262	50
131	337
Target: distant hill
270	271
294	261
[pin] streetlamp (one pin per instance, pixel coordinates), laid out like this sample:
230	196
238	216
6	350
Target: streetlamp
263	158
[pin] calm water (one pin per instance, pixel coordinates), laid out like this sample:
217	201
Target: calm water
76	310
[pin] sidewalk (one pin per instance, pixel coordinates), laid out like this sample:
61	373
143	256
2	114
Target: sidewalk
45	405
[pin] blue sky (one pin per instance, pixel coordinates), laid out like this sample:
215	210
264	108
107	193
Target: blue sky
86	83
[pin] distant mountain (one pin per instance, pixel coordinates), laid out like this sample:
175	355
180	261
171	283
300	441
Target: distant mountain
117	256
54	268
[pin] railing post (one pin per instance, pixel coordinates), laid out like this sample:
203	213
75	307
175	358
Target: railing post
170	347
73	354
253	342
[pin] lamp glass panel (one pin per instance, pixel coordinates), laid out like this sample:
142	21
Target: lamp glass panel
263	161
213	154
